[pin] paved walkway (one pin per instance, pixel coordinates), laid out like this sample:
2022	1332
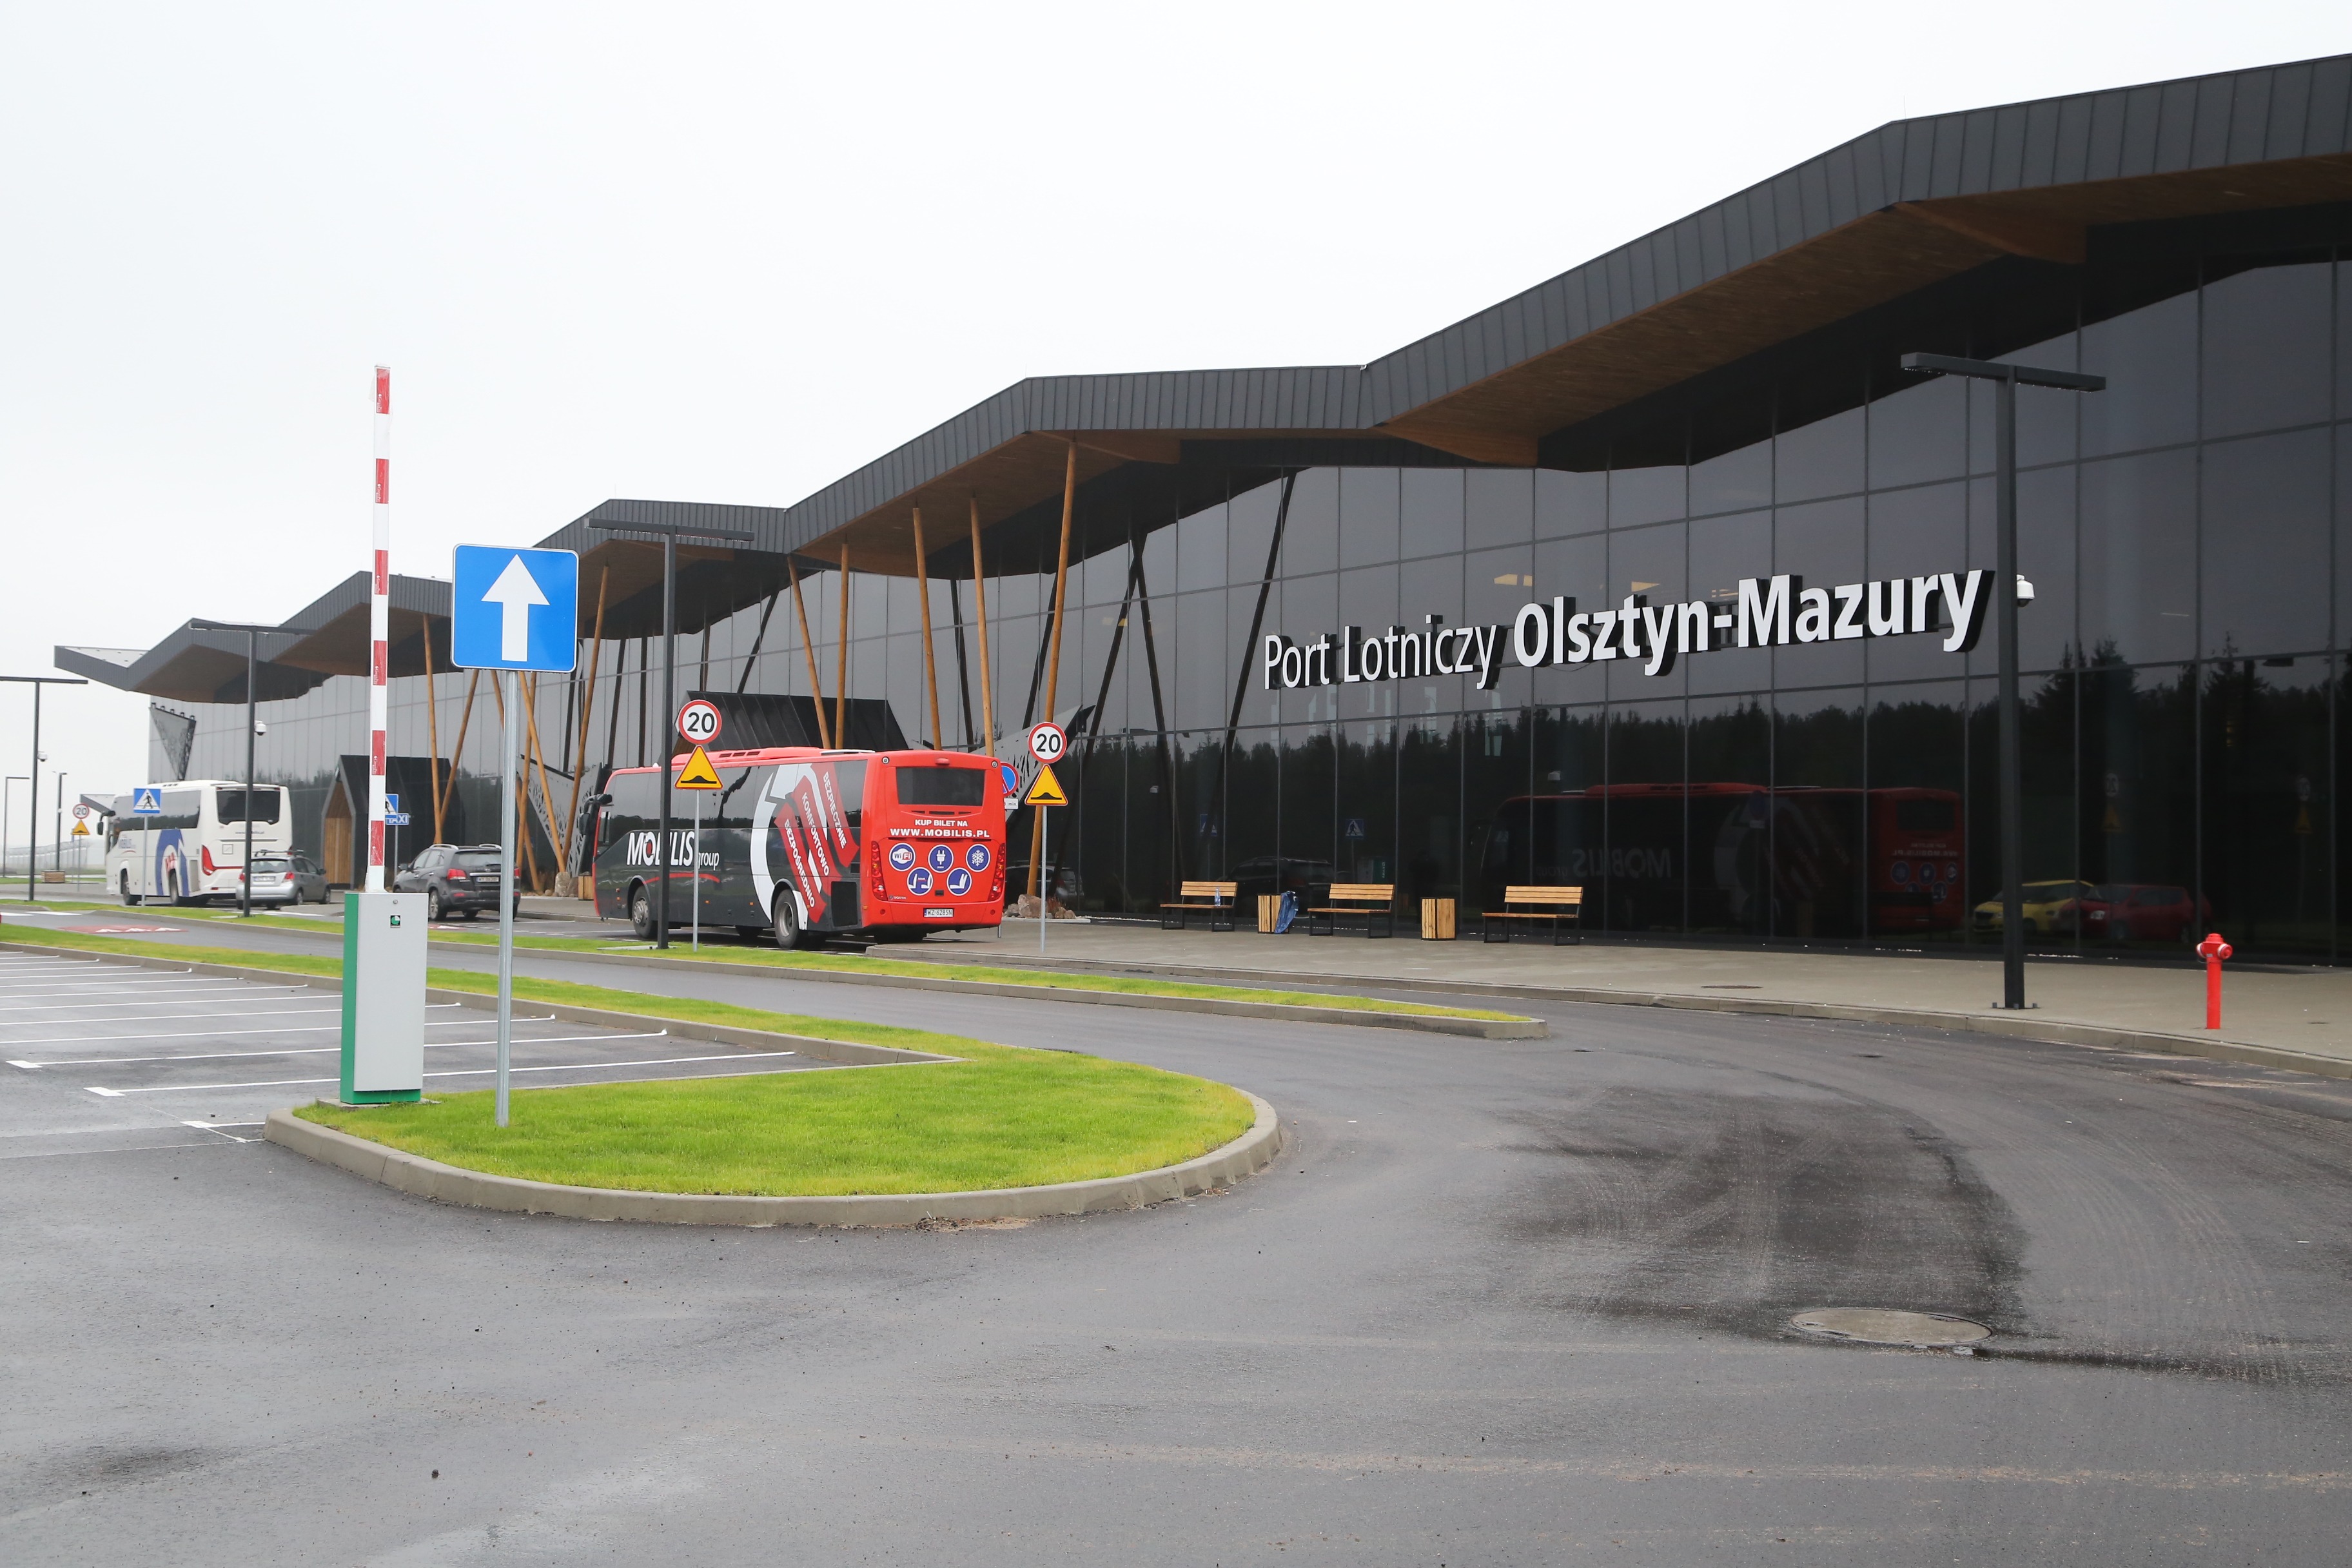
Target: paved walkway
2307	1011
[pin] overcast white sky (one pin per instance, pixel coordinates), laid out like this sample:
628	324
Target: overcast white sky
729	253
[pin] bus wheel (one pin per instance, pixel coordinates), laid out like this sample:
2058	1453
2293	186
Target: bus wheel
787	917
641	912
128	896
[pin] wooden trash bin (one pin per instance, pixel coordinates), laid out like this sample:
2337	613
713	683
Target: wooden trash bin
1269	911
1437	919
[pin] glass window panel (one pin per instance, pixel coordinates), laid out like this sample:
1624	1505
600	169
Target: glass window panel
2149	358
1919	434
1432	503
1252	829
1915	817
1723	550
1578	570
2139	558
1368	516
1201	550
2265	736
1432	586
1429	811
1637	496
1496	583
2266	334
1730	770
1915	532
1309	834
1366	800
1250	534
2046	724
1499	507
1569	504
1822	457
2046	636
1822	545
2136	809
2046	415
2265	544
1820	882
1646	817
1646	564
1310	540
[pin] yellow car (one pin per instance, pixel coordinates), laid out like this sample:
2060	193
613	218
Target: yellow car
2049	907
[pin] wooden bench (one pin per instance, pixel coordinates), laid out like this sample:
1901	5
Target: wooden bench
1560	906
1373	901
1219	909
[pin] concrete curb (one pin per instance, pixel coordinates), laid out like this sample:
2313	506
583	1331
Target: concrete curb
849	1053
414	1174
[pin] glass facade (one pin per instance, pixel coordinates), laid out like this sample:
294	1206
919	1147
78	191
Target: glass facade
2181	653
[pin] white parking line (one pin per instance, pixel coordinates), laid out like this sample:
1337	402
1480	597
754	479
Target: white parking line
221	1127
234	1034
175	1017
454	1072
167	1002
323	1050
173	992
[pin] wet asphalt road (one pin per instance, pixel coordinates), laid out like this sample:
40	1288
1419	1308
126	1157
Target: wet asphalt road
1513	1302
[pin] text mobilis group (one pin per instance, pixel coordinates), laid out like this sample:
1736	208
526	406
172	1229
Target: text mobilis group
1768	611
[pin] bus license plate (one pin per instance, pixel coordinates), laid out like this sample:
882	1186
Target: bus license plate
938	914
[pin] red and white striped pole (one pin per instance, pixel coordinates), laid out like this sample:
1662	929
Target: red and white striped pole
379	628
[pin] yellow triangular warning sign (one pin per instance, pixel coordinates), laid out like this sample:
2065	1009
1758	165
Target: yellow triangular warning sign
698	773
1044	789
81	829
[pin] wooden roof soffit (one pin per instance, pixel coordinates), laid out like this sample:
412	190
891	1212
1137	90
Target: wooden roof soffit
2024	234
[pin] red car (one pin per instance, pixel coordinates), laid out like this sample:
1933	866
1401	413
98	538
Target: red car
2141	911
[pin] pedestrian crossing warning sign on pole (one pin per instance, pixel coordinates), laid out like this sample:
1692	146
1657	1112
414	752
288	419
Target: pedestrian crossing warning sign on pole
698	773
1045	789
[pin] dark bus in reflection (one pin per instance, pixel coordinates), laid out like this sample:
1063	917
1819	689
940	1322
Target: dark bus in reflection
1736	858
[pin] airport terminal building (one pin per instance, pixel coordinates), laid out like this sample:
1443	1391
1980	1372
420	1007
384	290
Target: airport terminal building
1661	578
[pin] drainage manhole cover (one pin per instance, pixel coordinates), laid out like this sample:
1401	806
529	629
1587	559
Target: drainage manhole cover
1882	1326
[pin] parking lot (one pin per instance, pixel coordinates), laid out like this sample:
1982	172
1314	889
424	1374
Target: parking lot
107	1055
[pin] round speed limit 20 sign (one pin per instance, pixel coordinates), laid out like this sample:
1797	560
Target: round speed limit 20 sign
699	721
1046	742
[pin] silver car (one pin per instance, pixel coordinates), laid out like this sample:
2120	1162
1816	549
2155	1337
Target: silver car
288	879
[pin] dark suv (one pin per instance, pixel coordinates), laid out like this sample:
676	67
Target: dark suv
459	879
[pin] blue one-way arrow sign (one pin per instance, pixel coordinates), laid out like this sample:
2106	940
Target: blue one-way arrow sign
514	609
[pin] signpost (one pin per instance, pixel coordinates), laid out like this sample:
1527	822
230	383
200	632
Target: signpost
697	775
146	804
511	610
1048	744
700	722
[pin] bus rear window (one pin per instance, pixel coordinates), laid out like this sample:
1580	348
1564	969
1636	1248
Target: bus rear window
229	803
1925	816
941	786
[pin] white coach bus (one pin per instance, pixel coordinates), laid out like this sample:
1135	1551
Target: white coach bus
195	849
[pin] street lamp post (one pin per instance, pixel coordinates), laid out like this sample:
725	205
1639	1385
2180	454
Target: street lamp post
57	828
2006	380
252	675
33	816
670	533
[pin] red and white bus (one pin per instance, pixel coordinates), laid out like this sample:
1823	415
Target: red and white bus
807	843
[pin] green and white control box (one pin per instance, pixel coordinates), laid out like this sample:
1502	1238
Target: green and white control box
383	998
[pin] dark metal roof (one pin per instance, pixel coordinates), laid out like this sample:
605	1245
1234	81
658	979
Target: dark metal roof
1893	211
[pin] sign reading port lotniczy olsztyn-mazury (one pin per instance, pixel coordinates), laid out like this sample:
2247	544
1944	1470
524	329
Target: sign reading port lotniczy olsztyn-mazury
1765	612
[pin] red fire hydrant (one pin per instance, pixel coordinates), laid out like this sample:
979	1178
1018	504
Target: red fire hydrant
2213	949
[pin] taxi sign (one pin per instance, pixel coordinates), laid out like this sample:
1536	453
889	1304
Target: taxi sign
1045	789
1047	742
698	773
698	722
